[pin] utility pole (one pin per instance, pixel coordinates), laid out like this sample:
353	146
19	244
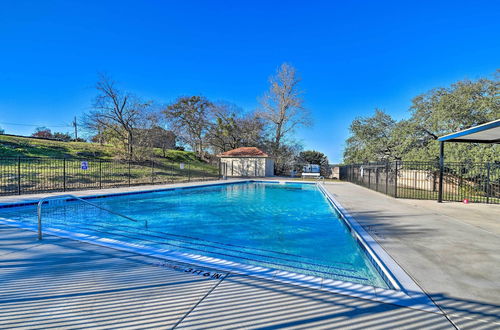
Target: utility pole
75	125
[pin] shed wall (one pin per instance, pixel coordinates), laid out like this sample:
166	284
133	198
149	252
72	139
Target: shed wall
247	166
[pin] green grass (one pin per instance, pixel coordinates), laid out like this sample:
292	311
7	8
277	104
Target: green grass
470	194
49	172
11	146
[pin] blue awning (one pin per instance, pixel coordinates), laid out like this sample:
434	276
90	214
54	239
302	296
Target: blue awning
485	133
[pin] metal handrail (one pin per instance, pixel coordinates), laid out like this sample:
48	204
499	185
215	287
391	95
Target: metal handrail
322	178
45	199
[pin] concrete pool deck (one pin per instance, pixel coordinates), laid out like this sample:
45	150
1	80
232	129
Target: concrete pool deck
451	250
62	283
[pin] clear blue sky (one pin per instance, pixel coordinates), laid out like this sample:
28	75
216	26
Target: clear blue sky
353	56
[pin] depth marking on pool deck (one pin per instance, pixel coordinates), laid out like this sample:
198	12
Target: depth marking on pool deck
196	271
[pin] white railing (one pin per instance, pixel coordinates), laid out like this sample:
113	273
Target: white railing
320	178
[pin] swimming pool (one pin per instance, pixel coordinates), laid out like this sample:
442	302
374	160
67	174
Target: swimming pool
290	227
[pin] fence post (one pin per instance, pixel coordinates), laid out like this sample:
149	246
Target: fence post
396	180
19	175
488	190
64	174
129	172
152	171
189	172
100	173
441	172
387	177
369	177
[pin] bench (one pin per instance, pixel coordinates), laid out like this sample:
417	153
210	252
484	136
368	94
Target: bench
311	175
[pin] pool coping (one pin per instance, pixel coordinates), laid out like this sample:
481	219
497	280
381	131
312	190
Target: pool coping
409	294
408	289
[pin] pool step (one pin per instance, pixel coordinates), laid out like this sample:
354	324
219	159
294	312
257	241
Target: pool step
271	259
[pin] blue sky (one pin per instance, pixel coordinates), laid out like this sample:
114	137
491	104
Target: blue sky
353	56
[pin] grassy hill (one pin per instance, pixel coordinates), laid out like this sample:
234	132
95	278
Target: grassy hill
48	172
13	146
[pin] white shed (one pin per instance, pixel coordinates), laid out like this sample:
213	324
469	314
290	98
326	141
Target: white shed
246	162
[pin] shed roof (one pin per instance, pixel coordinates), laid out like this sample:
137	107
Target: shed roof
244	152
485	133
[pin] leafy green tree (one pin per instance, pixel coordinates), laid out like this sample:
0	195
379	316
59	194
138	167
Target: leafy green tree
189	118
445	110
436	113
372	139
315	157
62	136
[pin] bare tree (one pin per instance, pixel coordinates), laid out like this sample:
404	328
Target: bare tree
283	112
189	118
117	112
282	105
232	128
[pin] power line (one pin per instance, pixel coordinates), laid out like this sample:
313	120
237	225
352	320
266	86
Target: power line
17	124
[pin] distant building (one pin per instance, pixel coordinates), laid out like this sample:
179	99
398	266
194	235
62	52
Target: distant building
335	171
246	162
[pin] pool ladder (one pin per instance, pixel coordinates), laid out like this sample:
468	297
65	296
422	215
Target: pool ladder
47	199
320	179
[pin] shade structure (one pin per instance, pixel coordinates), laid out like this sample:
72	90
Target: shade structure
485	133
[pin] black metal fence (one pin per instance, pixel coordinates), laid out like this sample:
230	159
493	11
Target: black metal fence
33	175
476	182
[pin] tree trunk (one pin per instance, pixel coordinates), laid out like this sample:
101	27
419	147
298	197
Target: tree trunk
277	138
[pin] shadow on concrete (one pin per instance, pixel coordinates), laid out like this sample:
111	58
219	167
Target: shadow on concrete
70	284
243	302
382	225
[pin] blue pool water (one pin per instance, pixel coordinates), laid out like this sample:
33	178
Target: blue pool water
282	226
